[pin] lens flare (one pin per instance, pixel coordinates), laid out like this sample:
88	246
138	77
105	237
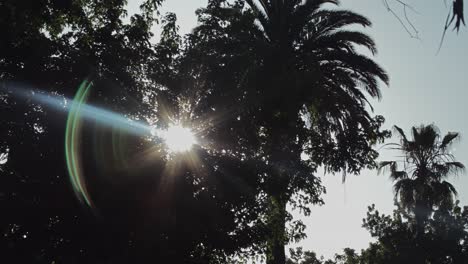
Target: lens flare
177	138
78	111
72	146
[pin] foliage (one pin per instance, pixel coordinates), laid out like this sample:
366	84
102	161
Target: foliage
53	46
287	72
299	256
444	240
427	226
420	187
265	82
143	215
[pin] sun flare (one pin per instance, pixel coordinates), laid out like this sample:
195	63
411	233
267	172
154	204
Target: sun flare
178	138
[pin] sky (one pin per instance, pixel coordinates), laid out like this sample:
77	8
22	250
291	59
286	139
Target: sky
425	88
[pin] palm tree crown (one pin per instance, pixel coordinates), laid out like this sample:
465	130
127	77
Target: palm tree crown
292	71
420	185
300	39
293	59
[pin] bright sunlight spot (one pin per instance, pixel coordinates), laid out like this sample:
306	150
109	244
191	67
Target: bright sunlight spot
178	138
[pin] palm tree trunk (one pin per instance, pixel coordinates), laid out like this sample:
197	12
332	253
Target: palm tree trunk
422	213
278	185
276	225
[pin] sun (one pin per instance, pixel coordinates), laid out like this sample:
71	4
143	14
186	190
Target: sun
178	138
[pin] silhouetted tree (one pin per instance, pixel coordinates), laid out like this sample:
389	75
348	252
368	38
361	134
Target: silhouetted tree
444	240
349	256
420	186
427	226
51	47
298	256
286	77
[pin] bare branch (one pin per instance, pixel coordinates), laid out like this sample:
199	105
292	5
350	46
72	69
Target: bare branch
455	16
405	22
447	24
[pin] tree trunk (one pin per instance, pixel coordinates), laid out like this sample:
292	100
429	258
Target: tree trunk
276	225
422	213
277	189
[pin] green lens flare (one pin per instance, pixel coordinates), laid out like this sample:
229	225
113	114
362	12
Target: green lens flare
121	126
176	137
72	146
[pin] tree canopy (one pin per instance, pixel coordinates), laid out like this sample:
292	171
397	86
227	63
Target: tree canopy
288	72
51	53
272	91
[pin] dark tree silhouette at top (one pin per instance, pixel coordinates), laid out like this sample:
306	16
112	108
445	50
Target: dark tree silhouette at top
291	80
444	240
420	186
51	47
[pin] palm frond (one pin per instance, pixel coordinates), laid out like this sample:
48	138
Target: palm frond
398	175
302	14
326	21
448	139
404	192
343	39
455	167
449	188
383	166
401	133
425	136
266	5
367	69
442	194
261	15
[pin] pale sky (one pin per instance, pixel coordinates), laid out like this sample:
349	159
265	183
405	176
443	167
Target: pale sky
424	88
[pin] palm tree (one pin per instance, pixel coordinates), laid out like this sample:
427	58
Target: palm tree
420	185
290	59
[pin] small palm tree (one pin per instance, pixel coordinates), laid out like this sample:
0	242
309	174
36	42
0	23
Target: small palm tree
420	180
